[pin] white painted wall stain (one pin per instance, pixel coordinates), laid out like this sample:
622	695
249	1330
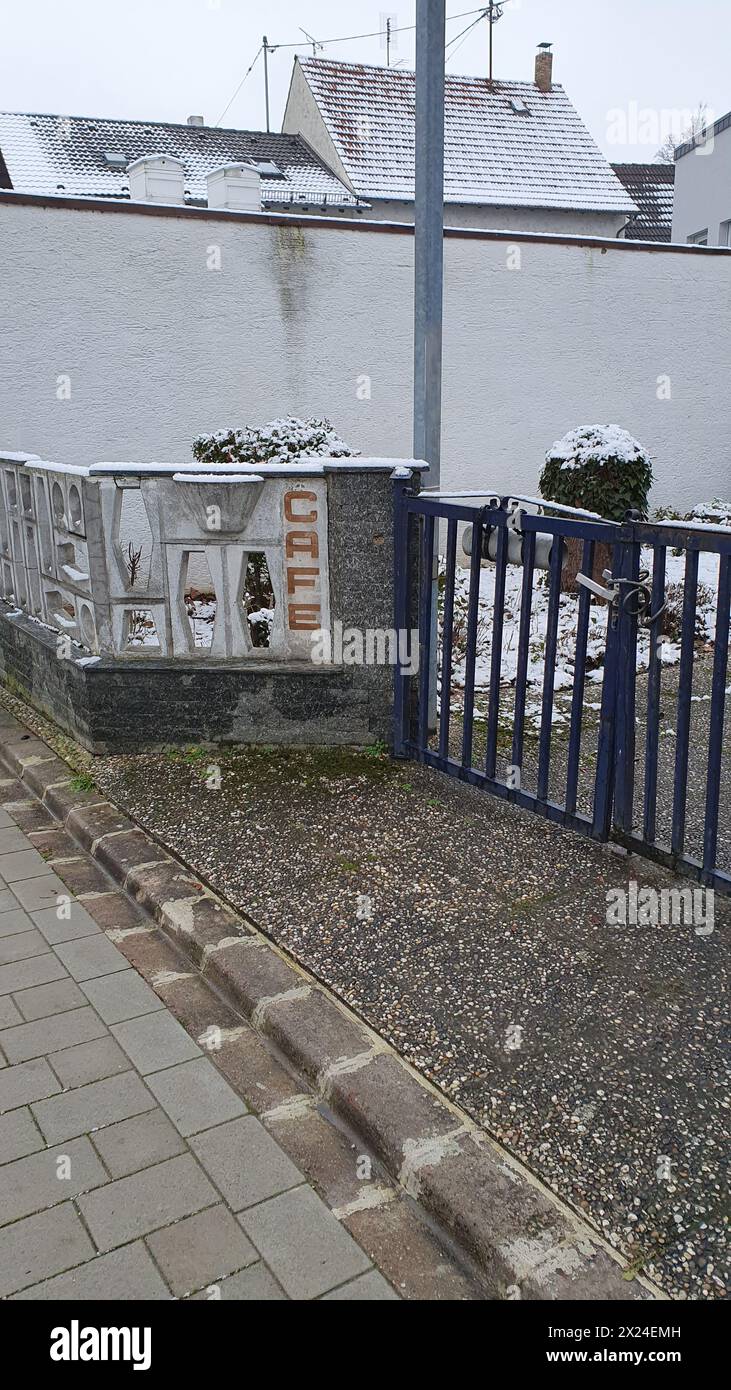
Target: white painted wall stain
159	348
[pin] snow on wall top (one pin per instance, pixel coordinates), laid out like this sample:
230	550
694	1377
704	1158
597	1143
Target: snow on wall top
67	155
545	158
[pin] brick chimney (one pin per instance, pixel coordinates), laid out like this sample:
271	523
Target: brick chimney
544	67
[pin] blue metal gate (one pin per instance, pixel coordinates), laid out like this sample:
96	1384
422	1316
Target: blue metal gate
603	780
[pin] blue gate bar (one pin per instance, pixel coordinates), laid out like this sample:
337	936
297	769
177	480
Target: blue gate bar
678	537
605	755
498	614
654	686
447	632
446	511
608	531
472	619
402	614
683	863
718	700
577	699
685	690
549	668
426	591
521	674
624	784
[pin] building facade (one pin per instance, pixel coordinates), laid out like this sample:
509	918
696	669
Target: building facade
702	208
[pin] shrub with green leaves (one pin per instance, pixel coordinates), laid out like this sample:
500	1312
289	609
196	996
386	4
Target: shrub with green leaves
279	441
600	468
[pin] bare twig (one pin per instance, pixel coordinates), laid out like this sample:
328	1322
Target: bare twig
134	559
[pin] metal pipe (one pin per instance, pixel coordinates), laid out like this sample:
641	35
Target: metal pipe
429	265
429	233
265	46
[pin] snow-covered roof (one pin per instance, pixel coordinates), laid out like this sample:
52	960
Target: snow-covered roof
541	157
652	186
71	155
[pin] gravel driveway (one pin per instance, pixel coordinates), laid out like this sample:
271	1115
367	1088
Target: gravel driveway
474	937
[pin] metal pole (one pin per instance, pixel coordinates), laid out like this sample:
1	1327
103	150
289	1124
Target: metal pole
429	265
388	43
265	46
489	25
429	233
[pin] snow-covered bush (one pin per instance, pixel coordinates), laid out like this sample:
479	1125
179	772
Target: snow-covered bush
715	513
279	441
671	623
600	468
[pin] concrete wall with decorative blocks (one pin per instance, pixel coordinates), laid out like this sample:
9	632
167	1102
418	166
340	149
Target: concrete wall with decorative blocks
107	625
45	547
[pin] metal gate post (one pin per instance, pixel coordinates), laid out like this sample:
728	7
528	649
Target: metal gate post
402	613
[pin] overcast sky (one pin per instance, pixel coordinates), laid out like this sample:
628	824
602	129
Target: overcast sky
626	64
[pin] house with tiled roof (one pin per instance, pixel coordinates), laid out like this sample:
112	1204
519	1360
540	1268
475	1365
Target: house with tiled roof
651	187
517	154
91	157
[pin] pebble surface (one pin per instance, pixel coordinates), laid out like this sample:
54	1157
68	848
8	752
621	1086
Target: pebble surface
474	938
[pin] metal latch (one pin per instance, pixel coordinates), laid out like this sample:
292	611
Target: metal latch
610	595
638	590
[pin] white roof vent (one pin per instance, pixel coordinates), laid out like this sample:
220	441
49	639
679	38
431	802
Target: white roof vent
157	178
234	186
195	120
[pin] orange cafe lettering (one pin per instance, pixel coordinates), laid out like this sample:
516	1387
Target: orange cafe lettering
302	560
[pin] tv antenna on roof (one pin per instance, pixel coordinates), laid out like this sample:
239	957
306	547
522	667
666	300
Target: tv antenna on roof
314	42
494	12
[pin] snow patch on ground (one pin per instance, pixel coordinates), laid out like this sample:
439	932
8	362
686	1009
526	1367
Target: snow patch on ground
708	570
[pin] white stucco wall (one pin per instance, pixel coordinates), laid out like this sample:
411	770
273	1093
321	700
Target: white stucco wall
703	189
496	219
317	319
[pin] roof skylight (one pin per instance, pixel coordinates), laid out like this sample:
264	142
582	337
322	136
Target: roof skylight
268	169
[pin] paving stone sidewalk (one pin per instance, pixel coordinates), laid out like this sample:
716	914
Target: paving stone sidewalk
131	1168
